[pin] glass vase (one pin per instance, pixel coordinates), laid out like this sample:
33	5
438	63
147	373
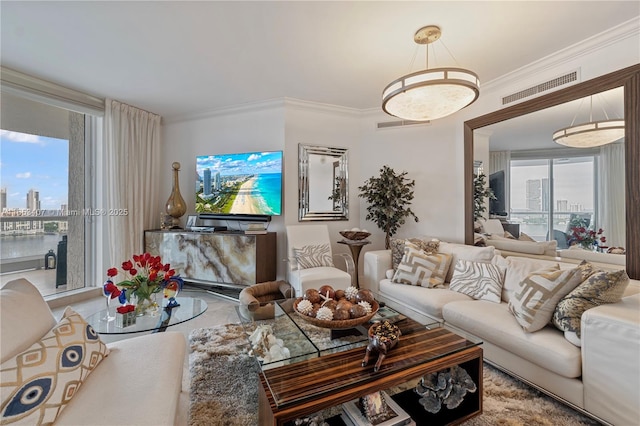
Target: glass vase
146	305
110	312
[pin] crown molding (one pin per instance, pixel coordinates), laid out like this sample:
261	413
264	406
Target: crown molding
320	107
628	29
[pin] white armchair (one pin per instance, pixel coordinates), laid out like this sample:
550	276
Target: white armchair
311	260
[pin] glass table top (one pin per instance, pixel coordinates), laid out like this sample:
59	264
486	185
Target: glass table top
312	350
190	308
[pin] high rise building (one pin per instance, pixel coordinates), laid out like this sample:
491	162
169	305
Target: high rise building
218	182
562	205
3	198
33	200
545	195
206	188
534	194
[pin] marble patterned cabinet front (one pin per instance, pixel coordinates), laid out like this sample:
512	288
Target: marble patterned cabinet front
216	257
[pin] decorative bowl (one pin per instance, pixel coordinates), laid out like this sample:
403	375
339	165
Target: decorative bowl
355	235
337	324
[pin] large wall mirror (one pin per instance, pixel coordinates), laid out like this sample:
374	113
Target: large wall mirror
323	183
515	129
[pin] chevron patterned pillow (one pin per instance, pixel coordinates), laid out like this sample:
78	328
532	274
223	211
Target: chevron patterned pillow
420	268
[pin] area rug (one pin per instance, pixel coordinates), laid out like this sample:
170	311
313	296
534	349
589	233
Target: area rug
224	388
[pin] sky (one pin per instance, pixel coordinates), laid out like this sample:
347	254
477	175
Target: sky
240	164
34	162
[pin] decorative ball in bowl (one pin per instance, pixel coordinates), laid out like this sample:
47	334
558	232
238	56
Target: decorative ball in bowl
355	235
339	309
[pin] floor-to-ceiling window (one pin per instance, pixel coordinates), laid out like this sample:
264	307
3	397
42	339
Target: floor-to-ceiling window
47	147
549	194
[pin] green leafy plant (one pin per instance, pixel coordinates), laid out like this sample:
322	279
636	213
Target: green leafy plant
480	194
389	196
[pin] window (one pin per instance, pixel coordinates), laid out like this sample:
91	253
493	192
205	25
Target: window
549	193
42	229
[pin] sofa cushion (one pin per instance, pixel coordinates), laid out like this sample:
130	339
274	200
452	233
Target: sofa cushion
21	303
38	383
478	280
547	248
139	383
598	289
534	302
462	251
428	301
492	322
420	268
313	256
518	268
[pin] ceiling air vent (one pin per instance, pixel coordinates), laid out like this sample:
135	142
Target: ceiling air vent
541	88
400	123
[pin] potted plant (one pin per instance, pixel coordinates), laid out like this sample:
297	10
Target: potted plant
480	194
389	196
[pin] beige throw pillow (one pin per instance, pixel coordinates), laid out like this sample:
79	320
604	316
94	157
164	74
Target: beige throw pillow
518	268
313	256
539	293
397	248
598	289
478	280
420	268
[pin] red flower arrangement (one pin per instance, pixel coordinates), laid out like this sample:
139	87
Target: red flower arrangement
147	276
587	238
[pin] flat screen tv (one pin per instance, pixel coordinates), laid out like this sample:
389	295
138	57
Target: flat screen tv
248	183
497	206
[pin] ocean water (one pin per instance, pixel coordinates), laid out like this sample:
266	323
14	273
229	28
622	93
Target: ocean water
268	188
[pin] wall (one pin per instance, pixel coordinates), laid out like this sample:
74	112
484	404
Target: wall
432	154
273	125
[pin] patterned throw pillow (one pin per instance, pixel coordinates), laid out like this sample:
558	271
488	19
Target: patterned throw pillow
313	256
539	293
478	280
38	383
598	289
420	268
397	248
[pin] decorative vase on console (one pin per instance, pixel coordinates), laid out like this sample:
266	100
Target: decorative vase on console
176	206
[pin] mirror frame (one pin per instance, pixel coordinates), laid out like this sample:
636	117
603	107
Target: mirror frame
629	78
339	155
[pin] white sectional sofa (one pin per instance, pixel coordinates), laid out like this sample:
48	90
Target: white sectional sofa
601	378
137	383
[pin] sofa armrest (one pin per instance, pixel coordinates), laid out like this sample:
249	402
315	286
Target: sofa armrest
610	367
376	265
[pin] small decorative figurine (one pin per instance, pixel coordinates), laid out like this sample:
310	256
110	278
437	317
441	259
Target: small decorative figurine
171	290
382	338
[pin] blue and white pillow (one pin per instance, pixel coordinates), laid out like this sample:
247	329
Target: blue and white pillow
37	384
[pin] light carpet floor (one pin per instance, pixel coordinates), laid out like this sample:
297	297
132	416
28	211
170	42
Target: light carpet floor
224	388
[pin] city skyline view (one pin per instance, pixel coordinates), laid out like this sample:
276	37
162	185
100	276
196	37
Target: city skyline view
34	162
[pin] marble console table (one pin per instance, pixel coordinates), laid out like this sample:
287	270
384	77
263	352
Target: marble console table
216	257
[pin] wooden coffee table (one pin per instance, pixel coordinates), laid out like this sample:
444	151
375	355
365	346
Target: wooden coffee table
306	386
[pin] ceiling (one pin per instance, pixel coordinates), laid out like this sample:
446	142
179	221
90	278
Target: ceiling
176	58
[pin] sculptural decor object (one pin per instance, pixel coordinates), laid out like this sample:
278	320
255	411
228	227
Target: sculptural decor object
382	338
445	388
176	206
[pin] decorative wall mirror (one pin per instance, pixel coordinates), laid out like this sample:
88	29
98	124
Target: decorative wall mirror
629	80
323	183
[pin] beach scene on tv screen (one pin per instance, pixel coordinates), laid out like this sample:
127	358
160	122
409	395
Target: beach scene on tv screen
246	183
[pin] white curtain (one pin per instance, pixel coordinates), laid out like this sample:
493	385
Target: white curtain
501	160
132	139
611	205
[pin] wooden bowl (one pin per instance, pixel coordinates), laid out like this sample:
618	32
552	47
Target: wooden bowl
337	324
355	235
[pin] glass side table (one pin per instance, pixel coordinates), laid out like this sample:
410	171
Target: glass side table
355	247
